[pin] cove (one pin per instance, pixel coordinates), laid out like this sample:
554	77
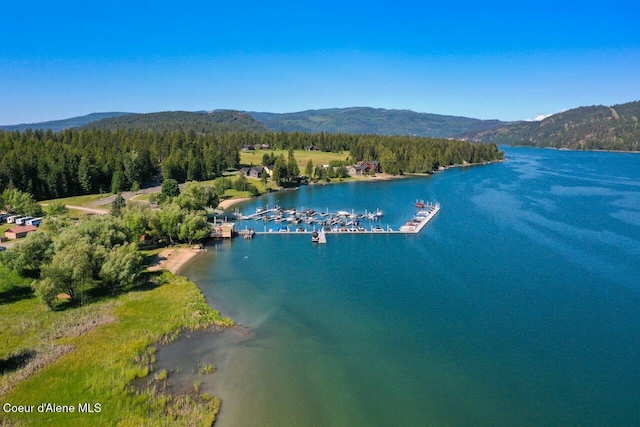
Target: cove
519	304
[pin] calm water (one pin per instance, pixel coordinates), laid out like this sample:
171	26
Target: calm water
519	304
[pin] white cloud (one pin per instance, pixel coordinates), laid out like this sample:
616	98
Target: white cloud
538	118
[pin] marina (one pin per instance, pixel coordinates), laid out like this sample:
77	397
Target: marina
318	224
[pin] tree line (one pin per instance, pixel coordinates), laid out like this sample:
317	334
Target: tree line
73	162
405	154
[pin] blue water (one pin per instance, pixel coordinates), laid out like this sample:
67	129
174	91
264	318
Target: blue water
518	304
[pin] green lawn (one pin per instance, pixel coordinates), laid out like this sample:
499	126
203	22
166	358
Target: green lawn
142	197
84	201
302	157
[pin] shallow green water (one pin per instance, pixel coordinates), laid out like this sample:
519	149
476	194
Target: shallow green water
519	304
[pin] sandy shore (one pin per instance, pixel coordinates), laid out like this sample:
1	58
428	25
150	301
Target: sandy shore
173	259
226	204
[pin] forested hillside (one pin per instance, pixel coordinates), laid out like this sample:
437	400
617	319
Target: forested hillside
364	120
202	122
73	162
58	125
584	128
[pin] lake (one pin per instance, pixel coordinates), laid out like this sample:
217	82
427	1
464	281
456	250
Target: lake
518	304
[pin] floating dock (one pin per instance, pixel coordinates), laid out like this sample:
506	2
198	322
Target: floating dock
341	222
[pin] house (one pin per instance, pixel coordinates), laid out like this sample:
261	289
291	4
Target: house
374	166
363	168
356	170
253	172
19	232
248	147
268	169
264	146
371	166
256	172
312	148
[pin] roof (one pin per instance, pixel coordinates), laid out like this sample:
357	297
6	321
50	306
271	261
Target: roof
22	229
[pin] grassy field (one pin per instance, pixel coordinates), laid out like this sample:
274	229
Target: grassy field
5	227
84	201
302	157
92	353
142	197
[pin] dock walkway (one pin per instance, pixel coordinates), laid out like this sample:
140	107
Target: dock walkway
412	226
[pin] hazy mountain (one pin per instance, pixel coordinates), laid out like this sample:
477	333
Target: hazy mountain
584	128
56	125
205	122
379	121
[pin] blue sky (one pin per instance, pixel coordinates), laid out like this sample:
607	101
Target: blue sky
488	59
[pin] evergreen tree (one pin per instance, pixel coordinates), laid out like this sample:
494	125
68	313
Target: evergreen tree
292	165
117	205
308	170
117	182
170	189
280	171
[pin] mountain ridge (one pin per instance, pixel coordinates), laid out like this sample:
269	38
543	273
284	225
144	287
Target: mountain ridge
369	120
204	122
596	127
62	124
362	120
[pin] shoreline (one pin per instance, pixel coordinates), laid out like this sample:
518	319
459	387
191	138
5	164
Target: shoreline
173	259
227	203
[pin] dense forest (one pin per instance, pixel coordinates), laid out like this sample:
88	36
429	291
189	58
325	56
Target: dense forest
72	162
404	154
584	128
380	121
223	121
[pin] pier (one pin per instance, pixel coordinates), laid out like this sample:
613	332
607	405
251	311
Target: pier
308	221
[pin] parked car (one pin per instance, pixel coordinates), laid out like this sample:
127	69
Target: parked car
3	248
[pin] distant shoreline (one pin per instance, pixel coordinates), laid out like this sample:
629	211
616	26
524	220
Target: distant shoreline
228	203
593	150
